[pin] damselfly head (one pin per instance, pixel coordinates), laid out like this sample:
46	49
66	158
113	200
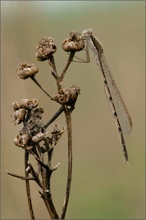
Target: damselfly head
86	33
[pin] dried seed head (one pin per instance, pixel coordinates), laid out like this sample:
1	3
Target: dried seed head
39	137
16	105
25	103
29	104
21	140
74	43
67	96
26	70
45	48
19	116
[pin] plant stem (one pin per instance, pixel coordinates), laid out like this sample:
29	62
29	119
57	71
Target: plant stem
70	158
71	55
28	187
39	85
51	62
60	110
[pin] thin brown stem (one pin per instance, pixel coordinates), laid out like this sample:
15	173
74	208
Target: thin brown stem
27	185
35	175
60	110
19	176
70	59
54	72
70	158
46	195
39	85
49	205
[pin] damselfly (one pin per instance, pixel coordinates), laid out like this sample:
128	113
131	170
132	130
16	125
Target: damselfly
116	103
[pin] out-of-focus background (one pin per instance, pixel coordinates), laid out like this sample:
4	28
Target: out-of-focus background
103	187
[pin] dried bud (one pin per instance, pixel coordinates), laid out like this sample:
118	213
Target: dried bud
67	96
38	137
25	103
21	140
26	70
16	105
74	43
45	48
19	116
29	104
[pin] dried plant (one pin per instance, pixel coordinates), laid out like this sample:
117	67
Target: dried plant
33	136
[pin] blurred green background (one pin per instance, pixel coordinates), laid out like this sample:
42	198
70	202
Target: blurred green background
103	187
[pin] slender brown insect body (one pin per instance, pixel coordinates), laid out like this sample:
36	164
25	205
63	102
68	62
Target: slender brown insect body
116	103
